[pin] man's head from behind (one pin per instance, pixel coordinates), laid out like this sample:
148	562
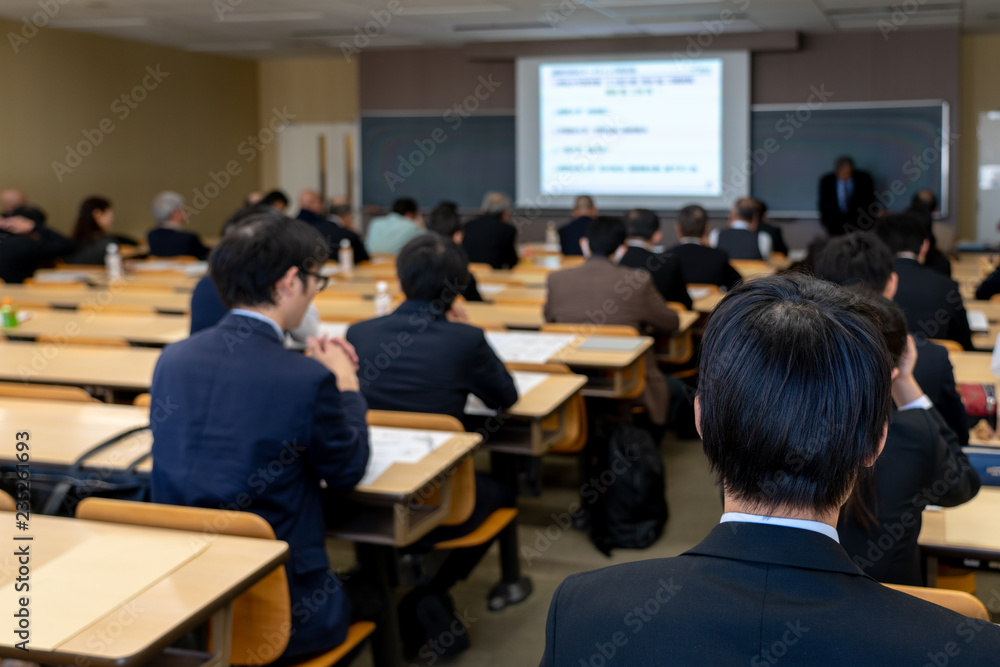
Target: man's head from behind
496	203
692	222
309	200
861	259
11	199
903	233
794	394
641	223
406	207
432	268
583	207
268	261
604	236
444	220
747	210
168	207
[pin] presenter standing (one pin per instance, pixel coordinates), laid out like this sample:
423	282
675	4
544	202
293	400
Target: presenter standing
845	196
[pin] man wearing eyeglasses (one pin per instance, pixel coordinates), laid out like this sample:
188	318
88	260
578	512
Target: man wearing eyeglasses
250	426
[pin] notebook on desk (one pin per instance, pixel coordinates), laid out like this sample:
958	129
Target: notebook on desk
614	343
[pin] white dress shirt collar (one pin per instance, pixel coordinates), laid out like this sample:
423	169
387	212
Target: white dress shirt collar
262	318
803	524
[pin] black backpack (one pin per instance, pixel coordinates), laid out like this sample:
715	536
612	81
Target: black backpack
635	501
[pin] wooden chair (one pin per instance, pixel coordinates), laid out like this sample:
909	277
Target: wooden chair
950	345
262	611
501	300
575	435
100	341
995	297
45	392
142	400
7	503
636	377
961	602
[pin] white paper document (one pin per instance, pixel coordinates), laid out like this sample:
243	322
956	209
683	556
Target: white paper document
531	348
402	445
333	329
978	321
524	382
491	289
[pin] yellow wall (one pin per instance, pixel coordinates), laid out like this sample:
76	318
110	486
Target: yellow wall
980	87
61	84
315	90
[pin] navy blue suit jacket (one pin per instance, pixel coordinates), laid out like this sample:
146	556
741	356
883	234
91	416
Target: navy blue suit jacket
255	427
571	233
166	242
755	595
334	234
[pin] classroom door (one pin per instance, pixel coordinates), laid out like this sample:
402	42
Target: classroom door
301	165
988	192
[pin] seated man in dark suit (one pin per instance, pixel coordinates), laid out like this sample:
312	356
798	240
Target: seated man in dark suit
245	404
923	206
774	231
444	221
26	244
601	292
932	303
169	239
643	229
490	238
742	238
921	464
570	234
846	197
861	259
311	211
423	358
699	262
787	450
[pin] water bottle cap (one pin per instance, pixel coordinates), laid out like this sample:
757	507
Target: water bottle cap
112	247
344	243
381	286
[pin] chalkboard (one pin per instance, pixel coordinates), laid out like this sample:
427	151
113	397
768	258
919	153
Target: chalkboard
434	158
898	144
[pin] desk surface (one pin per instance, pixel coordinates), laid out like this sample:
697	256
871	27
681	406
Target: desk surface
972	367
156	330
68	296
545	399
971	529
151	617
78	365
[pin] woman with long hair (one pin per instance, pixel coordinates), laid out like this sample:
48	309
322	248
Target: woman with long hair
92	232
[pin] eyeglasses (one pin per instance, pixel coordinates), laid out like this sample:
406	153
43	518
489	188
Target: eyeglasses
321	280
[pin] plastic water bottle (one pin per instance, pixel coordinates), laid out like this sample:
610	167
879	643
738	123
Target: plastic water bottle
9	313
113	262
383	302
345	257
551	235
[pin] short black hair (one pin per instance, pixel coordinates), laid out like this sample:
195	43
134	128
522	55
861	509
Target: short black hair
33	213
641	223
340	210
274	197
860	258
795	391
746	208
444	220
901	232
924	199
432	268
692	221
891	324
257	251
605	234
404	206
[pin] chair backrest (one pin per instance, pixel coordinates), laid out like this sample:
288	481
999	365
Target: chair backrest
142	400
961	602
44	391
575	434
263	611
7	503
950	345
463	480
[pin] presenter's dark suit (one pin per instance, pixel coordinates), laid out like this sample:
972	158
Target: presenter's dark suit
665	270
858	204
920	452
167	242
571	233
932	303
23	254
600	292
334	234
702	264
490	240
252	426
936	376
747	594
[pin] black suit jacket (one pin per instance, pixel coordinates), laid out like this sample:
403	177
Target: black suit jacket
932	303
665	270
416	360
166	242
744	596
922	464
255	427
858	204
334	234
22	254
571	233
989	286
702	264
936	376
490	240
777	238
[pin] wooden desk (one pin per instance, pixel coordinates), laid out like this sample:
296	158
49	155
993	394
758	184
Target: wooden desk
969	531
972	367
178	280
706	304
69	296
621	364
142	620
548	399
78	365
151	330
483	314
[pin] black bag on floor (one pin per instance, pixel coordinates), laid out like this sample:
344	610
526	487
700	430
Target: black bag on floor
635	499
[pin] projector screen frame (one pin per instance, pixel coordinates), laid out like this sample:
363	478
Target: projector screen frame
735	140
